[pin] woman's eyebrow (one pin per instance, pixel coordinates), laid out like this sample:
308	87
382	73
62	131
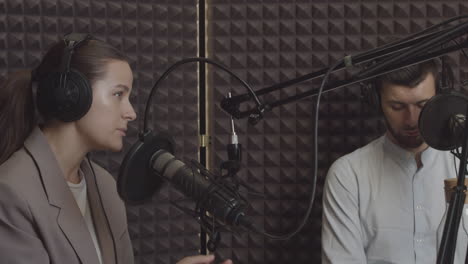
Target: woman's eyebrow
123	86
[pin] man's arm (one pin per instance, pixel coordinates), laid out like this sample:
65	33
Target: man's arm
341	225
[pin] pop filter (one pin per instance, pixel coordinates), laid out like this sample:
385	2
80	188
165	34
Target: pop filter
137	181
442	119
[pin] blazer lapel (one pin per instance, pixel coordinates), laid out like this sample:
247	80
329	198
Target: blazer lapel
101	223
69	219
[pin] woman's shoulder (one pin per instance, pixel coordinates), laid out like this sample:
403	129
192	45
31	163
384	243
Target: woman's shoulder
101	172
17	180
18	168
105	180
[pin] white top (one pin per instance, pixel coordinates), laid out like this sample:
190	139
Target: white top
378	207
79	191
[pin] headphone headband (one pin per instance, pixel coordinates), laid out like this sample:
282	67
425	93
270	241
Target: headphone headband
72	42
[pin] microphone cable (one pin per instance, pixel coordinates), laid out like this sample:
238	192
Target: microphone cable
259	106
189	60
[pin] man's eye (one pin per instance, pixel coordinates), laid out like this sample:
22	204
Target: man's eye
397	107
421	105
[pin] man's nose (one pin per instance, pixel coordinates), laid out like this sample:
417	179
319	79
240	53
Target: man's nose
412	115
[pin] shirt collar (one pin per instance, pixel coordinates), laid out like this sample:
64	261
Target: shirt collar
405	157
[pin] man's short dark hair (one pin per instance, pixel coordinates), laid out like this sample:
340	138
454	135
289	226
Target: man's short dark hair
409	76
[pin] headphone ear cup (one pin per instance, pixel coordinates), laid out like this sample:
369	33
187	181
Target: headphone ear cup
77	98
371	97
441	82
46	99
67	103
445	82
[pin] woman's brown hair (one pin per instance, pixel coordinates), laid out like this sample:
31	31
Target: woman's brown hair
17	103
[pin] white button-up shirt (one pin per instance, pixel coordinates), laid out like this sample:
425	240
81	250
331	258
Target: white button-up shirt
378	207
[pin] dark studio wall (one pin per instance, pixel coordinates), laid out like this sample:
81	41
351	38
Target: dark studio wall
153	34
270	41
265	42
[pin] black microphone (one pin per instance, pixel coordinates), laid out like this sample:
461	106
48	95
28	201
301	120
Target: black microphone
442	120
216	199
150	162
457	126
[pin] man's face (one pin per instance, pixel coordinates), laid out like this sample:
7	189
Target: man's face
401	106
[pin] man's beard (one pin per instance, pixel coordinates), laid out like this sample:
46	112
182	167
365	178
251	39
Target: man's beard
407	142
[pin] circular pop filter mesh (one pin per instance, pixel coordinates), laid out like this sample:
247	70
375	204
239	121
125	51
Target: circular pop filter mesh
137	181
434	120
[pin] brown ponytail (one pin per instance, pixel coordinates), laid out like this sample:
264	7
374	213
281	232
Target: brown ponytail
17	112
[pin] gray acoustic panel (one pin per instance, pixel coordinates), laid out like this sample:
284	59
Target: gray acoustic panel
153	34
267	42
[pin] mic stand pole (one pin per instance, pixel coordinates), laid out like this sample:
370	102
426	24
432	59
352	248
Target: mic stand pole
449	238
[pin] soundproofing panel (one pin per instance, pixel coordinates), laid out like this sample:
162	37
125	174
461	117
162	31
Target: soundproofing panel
268	42
153	34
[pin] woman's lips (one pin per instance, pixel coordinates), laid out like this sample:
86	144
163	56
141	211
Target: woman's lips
122	131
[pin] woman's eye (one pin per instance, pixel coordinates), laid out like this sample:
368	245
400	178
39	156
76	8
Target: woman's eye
118	94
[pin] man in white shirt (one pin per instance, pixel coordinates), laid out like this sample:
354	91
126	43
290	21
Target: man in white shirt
384	202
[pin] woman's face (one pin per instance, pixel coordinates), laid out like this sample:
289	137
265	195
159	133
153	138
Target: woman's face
103	127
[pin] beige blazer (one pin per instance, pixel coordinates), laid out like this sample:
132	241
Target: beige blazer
40	221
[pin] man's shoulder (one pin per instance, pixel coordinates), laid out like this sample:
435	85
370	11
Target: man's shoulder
352	169
361	155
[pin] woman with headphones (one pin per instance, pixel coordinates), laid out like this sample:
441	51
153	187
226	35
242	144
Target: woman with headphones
56	205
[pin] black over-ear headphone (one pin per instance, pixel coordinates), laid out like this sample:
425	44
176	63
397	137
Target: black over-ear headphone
65	94
444	84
